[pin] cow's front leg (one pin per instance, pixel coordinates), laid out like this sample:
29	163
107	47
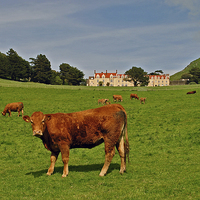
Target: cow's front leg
53	159
65	158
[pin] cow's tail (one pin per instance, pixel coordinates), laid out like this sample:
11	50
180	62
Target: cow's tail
125	133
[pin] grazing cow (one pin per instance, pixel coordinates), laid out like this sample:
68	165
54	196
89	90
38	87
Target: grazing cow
192	92
107	102
134	96
61	132
102	101
142	100
117	98
14	107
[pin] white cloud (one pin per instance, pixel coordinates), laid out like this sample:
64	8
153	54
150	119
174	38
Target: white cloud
193	6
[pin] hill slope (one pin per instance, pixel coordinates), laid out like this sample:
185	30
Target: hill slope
177	76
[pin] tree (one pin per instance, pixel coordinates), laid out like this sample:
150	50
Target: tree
71	75
18	68
55	78
41	69
195	72
186	76
137	75
157	72
3	66
100	83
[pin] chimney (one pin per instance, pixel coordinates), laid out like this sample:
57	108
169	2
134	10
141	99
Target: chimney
94	71
106	72
116	71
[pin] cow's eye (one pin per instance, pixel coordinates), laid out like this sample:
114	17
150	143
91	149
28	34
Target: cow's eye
42	122
31	122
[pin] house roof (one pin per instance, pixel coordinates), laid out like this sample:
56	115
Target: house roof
158	76
107	75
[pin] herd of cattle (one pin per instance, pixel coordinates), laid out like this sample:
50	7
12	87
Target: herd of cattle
61	132
117	98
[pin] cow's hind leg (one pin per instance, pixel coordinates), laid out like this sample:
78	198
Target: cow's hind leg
110	152
53	159
122	153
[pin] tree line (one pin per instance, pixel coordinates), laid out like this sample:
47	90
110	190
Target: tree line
14	67
38	69
193	75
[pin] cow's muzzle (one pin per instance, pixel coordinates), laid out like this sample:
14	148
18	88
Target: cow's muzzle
37	133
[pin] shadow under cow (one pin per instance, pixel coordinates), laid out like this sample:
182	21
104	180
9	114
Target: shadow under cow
76	168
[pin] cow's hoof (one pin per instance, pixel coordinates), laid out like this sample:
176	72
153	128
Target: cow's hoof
64	175
48	173
101	175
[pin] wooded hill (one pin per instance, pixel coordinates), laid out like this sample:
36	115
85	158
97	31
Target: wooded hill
177	76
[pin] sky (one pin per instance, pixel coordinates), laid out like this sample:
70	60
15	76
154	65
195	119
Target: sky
104	35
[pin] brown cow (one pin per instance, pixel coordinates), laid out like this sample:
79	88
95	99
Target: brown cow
134	96
107	102
14	107
102	101
142	100
61	132
117	98
192	92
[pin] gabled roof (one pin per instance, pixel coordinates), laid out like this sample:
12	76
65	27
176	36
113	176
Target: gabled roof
158	76
107	75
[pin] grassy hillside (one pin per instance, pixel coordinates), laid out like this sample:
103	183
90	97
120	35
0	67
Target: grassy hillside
177	76
164	139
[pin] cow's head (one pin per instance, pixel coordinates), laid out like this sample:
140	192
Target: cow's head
38	122
3	113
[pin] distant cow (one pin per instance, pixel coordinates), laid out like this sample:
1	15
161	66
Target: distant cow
192	92
14	107
61	132
142	100
134	96
102	101
117	98
107	102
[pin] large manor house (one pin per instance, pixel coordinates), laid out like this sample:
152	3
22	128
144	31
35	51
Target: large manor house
115	79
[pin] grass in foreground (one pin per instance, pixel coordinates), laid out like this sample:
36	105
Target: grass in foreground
163	135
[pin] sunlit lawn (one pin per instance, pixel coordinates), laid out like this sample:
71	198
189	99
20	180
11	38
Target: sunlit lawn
164	137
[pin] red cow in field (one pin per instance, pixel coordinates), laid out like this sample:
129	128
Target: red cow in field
14	107
192	92
61	132
102	101
117	98
142	100
134	96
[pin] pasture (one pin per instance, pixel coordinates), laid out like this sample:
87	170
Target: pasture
164	137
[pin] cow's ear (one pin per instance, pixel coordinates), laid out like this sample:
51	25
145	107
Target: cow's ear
26	118
47	117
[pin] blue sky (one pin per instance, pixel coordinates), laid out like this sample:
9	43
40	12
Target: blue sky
104	35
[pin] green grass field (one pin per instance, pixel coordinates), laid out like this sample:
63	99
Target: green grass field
164	137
